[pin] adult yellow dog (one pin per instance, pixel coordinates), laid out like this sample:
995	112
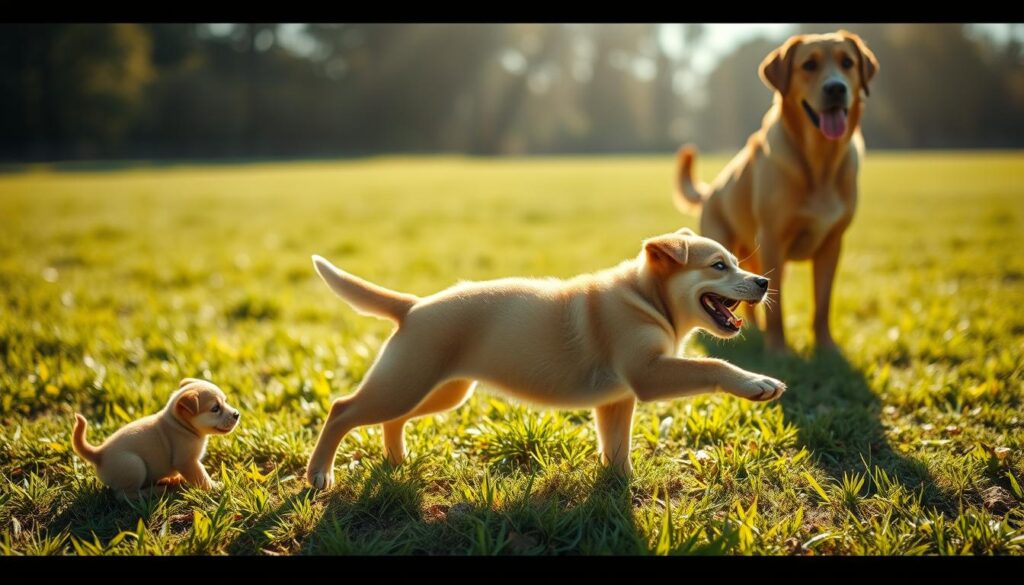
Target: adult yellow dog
791	192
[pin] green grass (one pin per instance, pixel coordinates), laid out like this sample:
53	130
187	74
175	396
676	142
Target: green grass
117	284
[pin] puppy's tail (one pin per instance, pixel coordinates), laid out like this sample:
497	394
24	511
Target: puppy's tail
365	297
689	196
80	444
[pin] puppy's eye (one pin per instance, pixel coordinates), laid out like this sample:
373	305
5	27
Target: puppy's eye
719	265
810	65
216	408
847	62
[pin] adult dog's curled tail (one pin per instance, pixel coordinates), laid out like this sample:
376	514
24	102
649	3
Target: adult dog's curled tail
365	297
689	196
80	444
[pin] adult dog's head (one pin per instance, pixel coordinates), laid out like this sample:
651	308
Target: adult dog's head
822	75
701	282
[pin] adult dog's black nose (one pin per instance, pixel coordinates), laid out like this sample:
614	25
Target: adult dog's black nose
236	415
834	89
761	282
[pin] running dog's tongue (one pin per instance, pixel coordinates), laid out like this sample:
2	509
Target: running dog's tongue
733	319
833	123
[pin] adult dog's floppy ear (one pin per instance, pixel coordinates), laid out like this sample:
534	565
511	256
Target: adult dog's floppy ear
187	405
667	251
777	67
868	62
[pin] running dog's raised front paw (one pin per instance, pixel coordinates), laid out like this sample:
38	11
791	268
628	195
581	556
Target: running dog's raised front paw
759	388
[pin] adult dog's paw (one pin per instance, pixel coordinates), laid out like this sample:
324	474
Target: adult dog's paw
760	388
320	479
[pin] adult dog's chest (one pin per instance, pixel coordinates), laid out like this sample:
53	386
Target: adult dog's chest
813	218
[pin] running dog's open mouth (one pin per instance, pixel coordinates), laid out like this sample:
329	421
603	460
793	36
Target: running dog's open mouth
719	308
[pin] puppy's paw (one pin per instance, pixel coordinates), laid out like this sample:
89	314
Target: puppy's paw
173	481
320	479
760	388
206	486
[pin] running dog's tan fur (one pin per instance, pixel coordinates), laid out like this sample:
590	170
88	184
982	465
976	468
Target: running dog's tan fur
791	192
601	341
162	449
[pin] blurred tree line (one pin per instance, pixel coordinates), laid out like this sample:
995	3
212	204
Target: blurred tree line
195	91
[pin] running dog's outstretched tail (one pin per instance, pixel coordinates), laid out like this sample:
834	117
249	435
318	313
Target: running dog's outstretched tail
365	297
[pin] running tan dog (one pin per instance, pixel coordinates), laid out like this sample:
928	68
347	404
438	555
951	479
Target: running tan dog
163	448
601	341
791	193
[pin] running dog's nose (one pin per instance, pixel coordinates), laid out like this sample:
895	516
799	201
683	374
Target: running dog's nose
762	282
236	415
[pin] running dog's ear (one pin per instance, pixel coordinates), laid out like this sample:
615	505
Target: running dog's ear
777	67
185	381
685	232
868	62
666	252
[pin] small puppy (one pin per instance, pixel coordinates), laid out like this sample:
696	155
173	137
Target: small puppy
163	448
602	341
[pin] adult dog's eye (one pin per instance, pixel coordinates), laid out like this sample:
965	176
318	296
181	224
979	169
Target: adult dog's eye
719	265
216	408
810	65
847	62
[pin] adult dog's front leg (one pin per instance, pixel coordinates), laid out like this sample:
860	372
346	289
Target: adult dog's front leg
665	378
826	259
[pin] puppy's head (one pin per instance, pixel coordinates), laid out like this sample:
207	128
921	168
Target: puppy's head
701	281
822	75
204	407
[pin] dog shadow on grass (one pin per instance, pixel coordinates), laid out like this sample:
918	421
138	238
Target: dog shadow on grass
99	513
385	512
837	416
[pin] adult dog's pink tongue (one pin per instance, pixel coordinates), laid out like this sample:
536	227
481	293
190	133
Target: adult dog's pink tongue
833	123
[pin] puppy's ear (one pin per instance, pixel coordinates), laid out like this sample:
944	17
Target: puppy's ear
685	232
185	381
666	252
187	405
777	67
868	62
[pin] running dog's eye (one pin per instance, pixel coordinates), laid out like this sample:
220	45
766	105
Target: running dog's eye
719	265
847	62
810	65
216	408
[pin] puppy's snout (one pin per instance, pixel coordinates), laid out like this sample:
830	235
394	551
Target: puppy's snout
236	415
762	282
834	90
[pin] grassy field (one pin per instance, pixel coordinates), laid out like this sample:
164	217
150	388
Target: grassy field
116	284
